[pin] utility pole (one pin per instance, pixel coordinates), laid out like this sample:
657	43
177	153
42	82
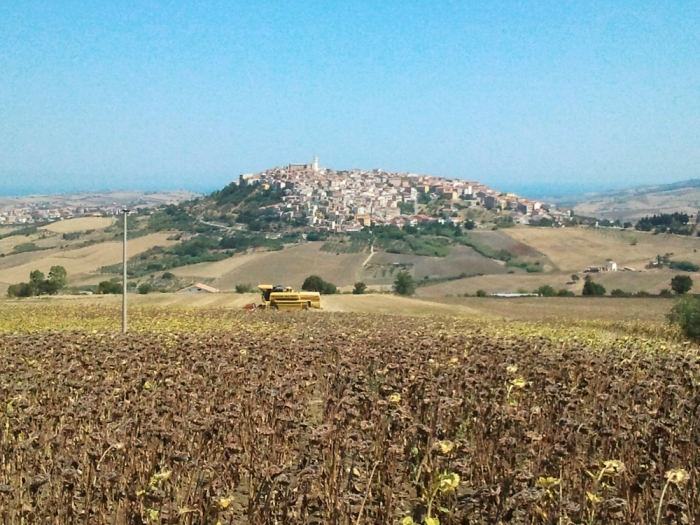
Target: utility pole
125	211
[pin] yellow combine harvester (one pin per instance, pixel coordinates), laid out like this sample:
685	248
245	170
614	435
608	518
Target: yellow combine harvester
280	298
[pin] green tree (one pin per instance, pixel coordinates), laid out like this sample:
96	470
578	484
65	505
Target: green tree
58	275
360	288
481	293
108	287
20	290
681	284
36	277
56	281
314	283
243	288
145	288
686	314
592	288
546	291
404	284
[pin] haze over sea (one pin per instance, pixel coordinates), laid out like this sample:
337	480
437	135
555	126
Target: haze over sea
525	189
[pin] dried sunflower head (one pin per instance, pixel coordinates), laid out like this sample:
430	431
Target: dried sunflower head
548	482
677	476
448	482
613	467
445	447
518	382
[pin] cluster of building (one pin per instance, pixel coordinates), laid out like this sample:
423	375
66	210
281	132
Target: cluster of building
346	201
46	208
29	214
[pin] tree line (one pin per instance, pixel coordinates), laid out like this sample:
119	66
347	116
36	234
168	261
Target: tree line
39	284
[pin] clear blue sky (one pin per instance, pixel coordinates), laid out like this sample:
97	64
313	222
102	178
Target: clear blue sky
189	94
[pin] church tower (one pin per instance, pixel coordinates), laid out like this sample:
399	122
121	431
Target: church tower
315	164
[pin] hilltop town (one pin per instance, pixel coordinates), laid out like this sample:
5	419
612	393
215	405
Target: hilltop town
348	200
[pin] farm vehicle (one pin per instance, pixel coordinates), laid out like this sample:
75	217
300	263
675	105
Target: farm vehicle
285	298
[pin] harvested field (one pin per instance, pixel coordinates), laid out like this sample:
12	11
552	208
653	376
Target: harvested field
79	263
574	249
8	243
569	310
292	265
80	224
652	281
201	417
216	270
462	259
500	240
503	283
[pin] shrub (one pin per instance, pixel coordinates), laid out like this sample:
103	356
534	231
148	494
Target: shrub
575	277
481	293
565	293
315	236
592	288
145	288
20	290
404	284
665	292
244	288
168	276
684	266
686	314
546	291
109	287
314	283
681	284
26	247
617	292
359	288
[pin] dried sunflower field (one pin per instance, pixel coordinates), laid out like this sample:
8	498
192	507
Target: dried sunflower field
214	416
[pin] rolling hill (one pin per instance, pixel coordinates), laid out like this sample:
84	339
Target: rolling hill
203	240
634	203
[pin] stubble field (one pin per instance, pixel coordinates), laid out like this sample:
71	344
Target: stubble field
209	415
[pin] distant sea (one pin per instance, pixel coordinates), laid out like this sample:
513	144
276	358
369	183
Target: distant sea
555	189
14	190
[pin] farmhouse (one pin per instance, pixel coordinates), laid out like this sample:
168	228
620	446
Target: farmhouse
199	288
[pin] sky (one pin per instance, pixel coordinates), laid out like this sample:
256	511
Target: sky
190	94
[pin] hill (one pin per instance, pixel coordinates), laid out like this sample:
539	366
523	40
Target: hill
243	235
634	203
